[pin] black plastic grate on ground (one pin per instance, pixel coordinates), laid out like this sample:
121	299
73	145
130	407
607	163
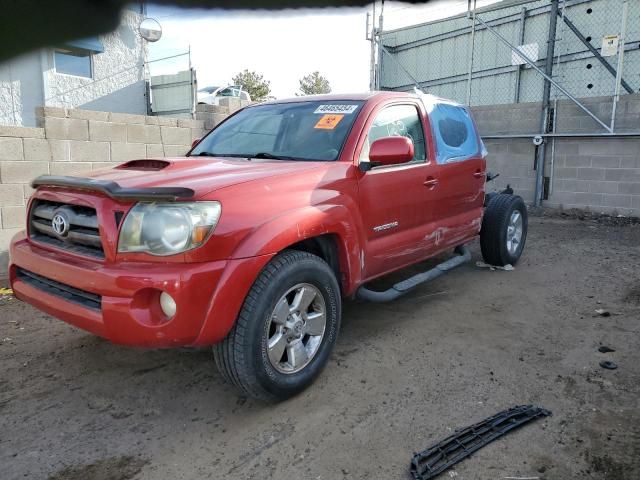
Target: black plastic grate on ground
66	292
439	457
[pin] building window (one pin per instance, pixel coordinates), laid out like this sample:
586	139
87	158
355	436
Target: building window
73	62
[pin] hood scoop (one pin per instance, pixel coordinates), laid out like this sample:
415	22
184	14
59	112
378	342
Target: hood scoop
144	165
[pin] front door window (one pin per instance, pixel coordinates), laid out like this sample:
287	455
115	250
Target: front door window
397	120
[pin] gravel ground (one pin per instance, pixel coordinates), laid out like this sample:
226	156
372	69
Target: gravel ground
403	376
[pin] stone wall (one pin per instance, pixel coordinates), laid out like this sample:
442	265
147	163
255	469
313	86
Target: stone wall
601	174
71	141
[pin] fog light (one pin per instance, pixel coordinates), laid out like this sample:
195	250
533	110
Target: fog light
167	304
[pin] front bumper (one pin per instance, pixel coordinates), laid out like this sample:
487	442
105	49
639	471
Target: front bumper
208	295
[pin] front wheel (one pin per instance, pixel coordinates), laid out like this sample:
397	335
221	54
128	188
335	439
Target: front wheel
286	329
504	229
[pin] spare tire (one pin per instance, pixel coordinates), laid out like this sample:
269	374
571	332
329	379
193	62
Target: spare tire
504	229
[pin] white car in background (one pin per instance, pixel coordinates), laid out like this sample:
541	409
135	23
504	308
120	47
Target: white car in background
212	95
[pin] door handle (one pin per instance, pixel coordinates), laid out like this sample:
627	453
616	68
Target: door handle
478	174
431	182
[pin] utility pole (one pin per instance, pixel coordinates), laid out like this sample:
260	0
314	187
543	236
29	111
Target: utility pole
379	39
546	103
372	32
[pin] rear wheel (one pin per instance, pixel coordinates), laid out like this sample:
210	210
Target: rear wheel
286	329
504	229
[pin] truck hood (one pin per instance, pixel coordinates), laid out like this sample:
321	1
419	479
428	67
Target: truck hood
201	174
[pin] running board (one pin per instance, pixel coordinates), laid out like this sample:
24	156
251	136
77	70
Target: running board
399	289
439	457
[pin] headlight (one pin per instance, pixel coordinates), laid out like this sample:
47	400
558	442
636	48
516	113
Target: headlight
168	228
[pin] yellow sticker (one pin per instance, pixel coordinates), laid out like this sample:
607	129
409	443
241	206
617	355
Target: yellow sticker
329	121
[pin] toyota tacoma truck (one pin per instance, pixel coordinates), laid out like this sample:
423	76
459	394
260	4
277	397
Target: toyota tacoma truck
250	242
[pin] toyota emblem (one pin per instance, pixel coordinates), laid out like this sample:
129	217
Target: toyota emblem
60	224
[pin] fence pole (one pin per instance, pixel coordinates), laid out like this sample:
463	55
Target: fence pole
523	19
623	32
552	163
546	104
471	48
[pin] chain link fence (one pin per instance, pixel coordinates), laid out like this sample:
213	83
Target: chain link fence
498	55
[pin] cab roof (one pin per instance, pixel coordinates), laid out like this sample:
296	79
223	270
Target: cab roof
363	96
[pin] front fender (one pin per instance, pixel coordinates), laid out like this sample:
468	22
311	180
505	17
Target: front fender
228	298
301	224
266	241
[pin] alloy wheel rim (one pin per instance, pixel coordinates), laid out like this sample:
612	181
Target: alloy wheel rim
296	328
514	232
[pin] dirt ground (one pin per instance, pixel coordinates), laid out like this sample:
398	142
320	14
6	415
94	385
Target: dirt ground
403	376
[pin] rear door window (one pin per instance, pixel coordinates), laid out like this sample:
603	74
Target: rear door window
454	133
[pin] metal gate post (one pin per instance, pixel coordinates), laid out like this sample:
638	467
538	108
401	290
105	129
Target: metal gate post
546	104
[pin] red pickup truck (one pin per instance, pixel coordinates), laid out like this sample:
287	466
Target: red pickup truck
250	241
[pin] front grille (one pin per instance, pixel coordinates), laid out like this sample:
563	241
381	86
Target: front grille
83	235
66	292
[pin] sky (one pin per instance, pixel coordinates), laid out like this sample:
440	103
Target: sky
282	46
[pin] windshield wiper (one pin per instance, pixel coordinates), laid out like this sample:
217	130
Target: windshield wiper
213	154
264	155
271	156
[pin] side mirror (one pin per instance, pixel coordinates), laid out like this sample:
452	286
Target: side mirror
391	151
195	142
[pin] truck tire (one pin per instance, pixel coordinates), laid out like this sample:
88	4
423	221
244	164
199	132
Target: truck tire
504	230
286	328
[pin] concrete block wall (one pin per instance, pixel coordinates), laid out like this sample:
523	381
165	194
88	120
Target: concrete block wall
601	174
598	174
71	141
513	160
212	115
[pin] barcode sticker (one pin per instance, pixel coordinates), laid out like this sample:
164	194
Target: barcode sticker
344	109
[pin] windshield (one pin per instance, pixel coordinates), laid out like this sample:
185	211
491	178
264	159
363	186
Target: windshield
283	131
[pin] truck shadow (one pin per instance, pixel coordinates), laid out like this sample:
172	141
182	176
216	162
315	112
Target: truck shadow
134	391
192	372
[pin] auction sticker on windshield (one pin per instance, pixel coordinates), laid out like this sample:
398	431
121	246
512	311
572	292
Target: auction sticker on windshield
336	109
329	122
